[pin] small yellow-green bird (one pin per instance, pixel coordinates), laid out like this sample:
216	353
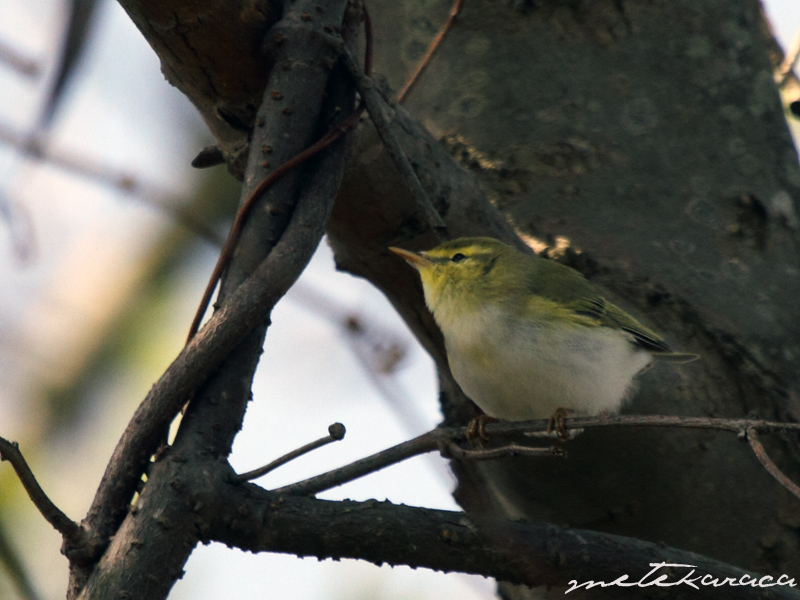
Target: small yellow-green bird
526	336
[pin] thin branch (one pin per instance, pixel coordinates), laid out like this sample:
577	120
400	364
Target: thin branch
145	192
427	442
731	425
333	134
62	523
206	366
442	438
21	64
225	255
374	103
432	48
766	462
336	433
507	451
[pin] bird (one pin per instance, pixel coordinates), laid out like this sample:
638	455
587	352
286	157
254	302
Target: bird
529	338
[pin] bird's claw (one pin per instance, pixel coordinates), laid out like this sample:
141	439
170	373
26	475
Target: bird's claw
557	423
476	430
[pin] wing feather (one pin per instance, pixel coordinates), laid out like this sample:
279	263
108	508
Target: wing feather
571	290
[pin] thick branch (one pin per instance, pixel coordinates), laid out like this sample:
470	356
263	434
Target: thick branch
519	552
288	121
149	550
161	534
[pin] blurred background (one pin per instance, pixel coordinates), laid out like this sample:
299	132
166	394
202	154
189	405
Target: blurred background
107	239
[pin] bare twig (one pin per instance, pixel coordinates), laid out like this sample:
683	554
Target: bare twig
427	442
21	64
434	45
442	439
766	462
145	192
503	452
335	433
374	103
731	425
333	134
62	523
224	353
226	253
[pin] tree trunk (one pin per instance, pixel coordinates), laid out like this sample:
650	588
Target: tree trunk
649	138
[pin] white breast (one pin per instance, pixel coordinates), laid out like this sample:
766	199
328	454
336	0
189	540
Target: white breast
516	370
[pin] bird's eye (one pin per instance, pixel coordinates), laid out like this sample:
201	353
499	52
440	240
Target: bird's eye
458	257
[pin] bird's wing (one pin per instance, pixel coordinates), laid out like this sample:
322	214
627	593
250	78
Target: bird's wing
610	315
572	291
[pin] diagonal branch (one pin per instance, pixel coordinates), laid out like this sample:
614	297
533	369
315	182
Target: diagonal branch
336	433
134	185
225	255
259	276
375	106
62	523
162	515
432	48
20	63
761	454
215	369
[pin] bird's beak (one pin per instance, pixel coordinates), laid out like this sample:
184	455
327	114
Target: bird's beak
414	259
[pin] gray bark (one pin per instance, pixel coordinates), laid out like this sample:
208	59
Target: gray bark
646	137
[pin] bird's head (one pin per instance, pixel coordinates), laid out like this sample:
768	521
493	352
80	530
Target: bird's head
461	272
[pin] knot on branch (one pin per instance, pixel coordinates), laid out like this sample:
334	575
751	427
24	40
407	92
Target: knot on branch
84	547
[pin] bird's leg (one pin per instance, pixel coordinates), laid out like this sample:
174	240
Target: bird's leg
556	423
476	430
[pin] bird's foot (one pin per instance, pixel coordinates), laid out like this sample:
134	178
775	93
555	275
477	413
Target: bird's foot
557	424
476	430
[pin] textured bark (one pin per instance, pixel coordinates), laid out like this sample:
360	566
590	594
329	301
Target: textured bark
145	555
645	137
518	551
214	52
651	137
